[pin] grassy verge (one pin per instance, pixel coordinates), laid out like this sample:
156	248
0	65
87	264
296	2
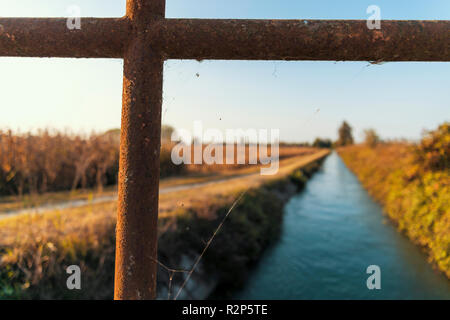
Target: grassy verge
35	249
416	199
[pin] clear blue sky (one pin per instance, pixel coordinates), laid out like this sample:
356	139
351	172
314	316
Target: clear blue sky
302	99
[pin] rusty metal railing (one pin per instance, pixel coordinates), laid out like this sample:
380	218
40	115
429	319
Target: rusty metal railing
144	39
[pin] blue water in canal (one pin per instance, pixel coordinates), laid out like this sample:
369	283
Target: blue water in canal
332	232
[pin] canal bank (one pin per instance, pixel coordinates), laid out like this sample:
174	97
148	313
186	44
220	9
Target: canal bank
242	229
331	233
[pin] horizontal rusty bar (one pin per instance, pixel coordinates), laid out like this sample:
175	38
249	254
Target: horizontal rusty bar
342	40
50	37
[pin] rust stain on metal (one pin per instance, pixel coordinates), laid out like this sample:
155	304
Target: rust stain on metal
342	40
144	38
50	37
136	244
200	39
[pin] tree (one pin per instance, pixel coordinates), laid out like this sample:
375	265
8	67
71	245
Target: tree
85	157
322	143
345	135
166	133
371	138
106	153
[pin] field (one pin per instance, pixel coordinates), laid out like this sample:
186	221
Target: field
36	248
52	161
412	182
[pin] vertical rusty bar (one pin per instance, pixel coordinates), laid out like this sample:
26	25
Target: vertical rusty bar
136	245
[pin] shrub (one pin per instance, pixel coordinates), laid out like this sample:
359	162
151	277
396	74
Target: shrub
371	138
433	152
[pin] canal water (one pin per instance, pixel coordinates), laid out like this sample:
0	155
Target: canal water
332	232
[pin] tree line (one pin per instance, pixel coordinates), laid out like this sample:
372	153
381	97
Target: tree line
345	138
53	161
49	161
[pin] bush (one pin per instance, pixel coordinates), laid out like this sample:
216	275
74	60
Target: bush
433	152
167	167
322	143
371	138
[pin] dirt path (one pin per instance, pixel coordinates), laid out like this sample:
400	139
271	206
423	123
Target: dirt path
286	163
101	199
